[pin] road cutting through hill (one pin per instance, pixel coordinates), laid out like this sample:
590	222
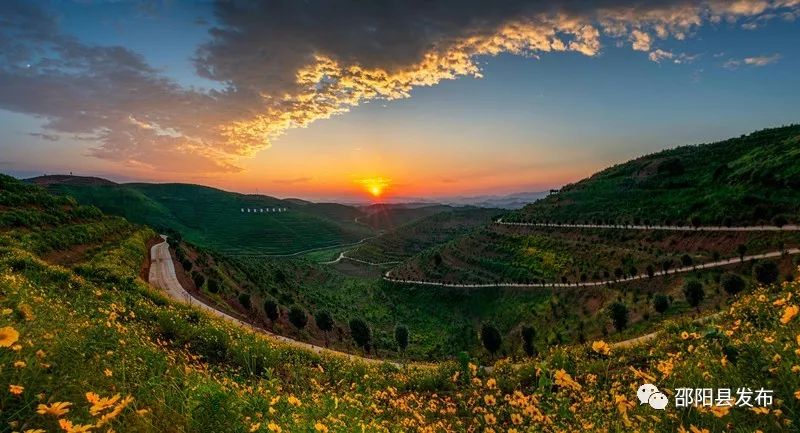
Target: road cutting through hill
162	275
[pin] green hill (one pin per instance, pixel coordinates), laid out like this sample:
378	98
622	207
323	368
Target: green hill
753	179
215	219
420	234
92	348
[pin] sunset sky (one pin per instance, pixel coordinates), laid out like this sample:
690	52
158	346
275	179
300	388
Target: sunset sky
322	99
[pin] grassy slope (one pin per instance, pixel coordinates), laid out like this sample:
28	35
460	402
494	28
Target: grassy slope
414	237
97	328
750	179
212	218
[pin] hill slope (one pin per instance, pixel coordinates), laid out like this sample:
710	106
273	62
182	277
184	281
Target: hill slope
215	219
742	181
93	348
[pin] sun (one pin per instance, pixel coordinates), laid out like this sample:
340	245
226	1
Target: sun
375	186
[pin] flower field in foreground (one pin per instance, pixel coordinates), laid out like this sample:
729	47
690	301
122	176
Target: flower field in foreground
102	352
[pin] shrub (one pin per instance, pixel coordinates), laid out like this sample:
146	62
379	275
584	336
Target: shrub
324	321
686	260
732	283
619	315
198	279
528	335
661	303
766	272
213	285
244	299
401	337
491	338
693	292
298	317
779	220
271	309
360	332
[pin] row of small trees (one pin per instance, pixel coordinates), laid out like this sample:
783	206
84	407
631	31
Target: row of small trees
694	292
359	328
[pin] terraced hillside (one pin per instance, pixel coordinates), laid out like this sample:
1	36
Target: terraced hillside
414	237
213	218
90	347
514	254
753	179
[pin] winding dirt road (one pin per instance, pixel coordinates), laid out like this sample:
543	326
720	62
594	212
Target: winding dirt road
791	251
162	276
765	228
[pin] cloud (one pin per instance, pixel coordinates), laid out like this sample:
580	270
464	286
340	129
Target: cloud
762	60
757	61
658	55
286	64
641	40
43	136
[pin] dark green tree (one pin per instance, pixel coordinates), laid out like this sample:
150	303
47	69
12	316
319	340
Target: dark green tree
491	338
272	310
732	283
619	315
660	303
244	299
766	272
360	332
401	337
651	271
693	292
528	335
686	260
298	317
741	249
324	322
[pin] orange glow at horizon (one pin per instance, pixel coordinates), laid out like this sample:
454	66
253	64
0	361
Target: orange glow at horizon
375	186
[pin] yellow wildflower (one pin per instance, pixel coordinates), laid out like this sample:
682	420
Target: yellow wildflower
490	419
601	347
563	379
56	409
30	430
68	427
275	428
108	372
20	364
684	335
294	401
720	411
789	313
322	428
489	400
16	389
8	336
491	383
